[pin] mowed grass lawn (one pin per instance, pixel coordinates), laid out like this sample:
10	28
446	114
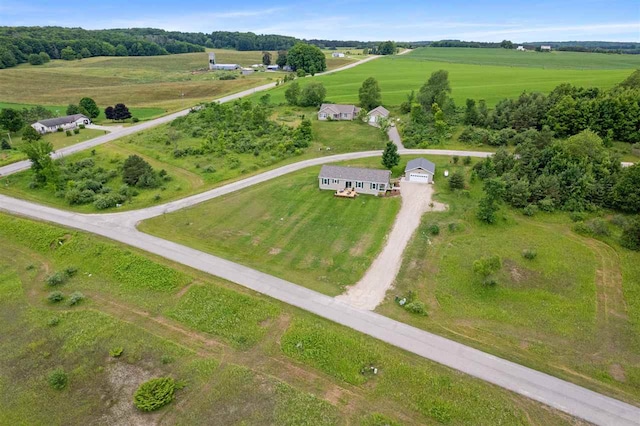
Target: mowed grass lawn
243	357
398	75
57	139
542	312
289	228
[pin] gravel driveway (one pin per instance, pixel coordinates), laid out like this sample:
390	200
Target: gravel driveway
370	291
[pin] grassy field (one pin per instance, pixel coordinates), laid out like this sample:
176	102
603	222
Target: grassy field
60	110
244	359
162	83
494	76
192	174
573	311
57	139
288	228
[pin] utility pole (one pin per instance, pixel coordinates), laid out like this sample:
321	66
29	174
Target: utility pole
9	134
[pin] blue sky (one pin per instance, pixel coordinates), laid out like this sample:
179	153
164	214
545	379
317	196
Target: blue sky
408	20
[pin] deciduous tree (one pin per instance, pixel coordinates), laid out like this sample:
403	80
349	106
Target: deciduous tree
306	56
369	94
313	94
121	112
266	58
89	105
292	93
390	156
11	120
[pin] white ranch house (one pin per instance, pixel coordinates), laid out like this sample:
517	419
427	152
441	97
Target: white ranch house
363	181
420	170
545	48
65	123
337	55
377	113
337	112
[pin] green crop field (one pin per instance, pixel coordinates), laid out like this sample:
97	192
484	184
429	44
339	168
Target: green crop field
479	75
545	312
288	228
242	358
166	83
192	174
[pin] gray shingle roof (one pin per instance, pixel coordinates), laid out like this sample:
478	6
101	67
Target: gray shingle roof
58	121
355	173
340	109
420	163
380	110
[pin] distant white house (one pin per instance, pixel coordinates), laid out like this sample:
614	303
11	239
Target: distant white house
420	170
521	48
377	113
545	48
337	55
65	123
213	65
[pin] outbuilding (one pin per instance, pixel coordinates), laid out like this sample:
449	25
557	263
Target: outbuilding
376	114
420	170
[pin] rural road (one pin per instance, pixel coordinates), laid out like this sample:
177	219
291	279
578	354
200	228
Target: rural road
119	132
557	393
371	290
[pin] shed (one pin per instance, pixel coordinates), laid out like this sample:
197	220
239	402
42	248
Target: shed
420	170
377	113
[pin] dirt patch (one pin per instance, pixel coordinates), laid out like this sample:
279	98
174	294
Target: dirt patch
123	380
617	372
274	251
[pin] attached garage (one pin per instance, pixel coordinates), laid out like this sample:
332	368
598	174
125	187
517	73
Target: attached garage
420	170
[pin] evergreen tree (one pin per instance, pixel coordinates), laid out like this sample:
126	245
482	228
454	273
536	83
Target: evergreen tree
390	156
266	58
456	181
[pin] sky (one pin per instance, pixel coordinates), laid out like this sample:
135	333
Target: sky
364	20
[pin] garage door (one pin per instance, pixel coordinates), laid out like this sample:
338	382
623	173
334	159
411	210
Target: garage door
418	177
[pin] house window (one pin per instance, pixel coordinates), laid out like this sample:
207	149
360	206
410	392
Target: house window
336	181
323	115
381	186
343	115
325	181
374	186
359	184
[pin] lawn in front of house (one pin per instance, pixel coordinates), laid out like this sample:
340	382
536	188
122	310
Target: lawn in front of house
289	228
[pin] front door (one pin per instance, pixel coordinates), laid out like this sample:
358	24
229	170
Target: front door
348	184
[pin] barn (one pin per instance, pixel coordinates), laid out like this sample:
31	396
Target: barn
420	170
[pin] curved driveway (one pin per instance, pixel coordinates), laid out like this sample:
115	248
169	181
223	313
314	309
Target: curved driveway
557	393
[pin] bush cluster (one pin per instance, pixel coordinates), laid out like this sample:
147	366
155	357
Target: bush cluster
57	379
154	394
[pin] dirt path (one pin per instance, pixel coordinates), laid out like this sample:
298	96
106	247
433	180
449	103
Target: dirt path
370	291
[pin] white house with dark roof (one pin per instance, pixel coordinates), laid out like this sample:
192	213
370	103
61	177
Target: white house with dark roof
65	123
364	181
337	112
420	170
377	113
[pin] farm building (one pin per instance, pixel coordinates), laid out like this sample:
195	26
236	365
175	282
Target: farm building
247	71
337	112
545	48
363	181
420	170
377	113
68	122
337	55
225	67
521	48
273	67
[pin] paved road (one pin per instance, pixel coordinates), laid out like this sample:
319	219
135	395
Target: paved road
565	396
394	136
130	218
117	133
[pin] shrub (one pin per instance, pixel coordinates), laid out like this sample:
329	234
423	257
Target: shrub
485	267
577	216
433	229
453	227
55	297
68	132
57	379
59	129
82	126
166	359
154	394
116	352
4	144
53	322
106	201
619	221
466	161
56	278
530	210
547	205
456	181
76	298
416	307
134	119
70	271
76	131
631	235
529	254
